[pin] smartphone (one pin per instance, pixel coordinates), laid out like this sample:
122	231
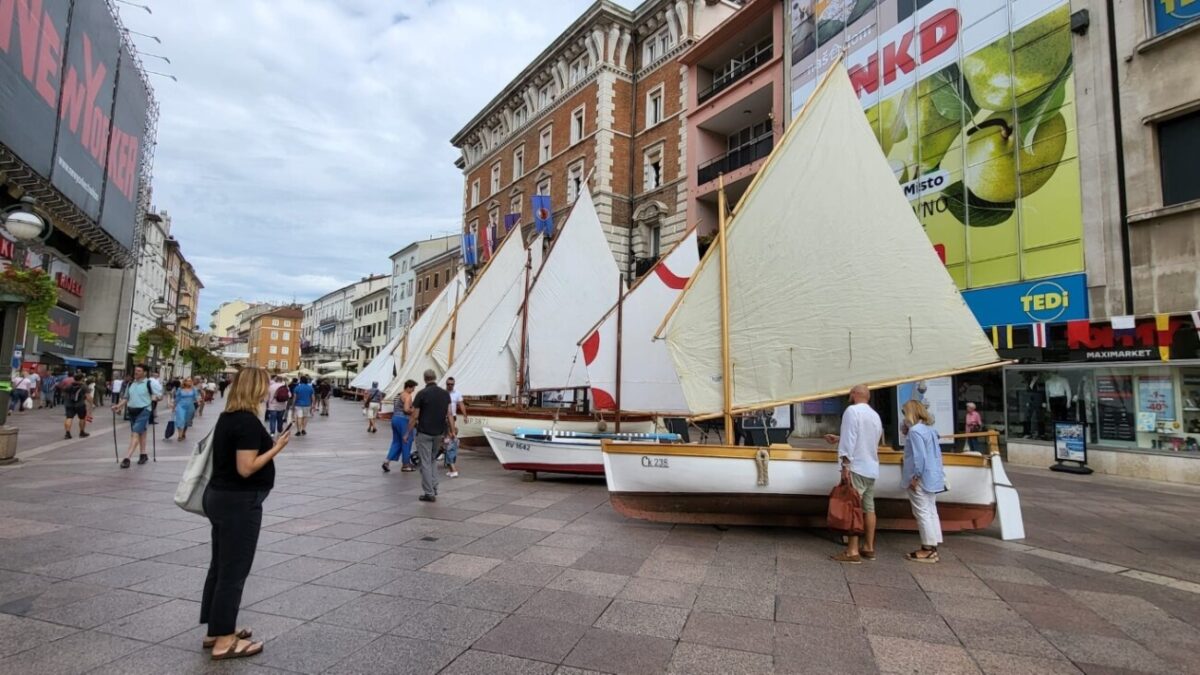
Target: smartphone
287	428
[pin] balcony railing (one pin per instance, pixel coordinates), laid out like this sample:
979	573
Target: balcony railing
735	159
736	73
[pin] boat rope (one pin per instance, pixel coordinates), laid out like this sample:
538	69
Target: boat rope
792	364
850	344
762	460
911	345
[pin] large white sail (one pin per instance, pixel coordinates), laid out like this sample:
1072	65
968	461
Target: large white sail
487	364
421	335
577	284
648	380
832	281
490	286
381	369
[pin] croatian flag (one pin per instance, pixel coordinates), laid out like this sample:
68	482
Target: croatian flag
1124	327
511	220
543	217
1040	336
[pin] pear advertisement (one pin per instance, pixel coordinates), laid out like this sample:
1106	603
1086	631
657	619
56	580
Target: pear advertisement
973	105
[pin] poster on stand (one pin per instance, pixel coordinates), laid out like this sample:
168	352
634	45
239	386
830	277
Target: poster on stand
937	395
1070	445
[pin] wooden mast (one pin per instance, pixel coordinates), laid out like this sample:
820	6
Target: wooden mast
620	319
726	364
453	329
524	332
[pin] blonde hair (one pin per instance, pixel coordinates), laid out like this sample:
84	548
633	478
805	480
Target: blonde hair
915	411
248	390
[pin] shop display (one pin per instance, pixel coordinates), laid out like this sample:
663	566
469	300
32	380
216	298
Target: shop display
1115	396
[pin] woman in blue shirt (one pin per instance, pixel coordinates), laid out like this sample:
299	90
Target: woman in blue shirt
924	477
185	407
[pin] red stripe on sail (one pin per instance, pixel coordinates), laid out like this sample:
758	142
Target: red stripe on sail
669	278
602	400
591	347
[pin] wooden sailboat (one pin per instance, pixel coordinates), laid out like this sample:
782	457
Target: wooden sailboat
823	279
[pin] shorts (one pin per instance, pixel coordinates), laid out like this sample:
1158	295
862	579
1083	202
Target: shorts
139	419
373	410
303	411
866	489
79	411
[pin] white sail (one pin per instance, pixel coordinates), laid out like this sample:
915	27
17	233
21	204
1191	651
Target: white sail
648	380
490	286
487	364
421	334
832	281
577	284
381	369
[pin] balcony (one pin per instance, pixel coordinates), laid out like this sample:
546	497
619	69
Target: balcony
738	69
735	159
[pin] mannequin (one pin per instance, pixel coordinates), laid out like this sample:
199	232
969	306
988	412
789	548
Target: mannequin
1058	397
1085	401
1034	426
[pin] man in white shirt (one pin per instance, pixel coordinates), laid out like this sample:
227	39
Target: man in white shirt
858	452
457	407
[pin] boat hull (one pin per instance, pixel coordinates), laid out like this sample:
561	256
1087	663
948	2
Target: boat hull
710	484
507	420
579	456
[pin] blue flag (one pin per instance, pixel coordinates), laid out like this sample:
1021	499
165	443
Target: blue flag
468	249
543	217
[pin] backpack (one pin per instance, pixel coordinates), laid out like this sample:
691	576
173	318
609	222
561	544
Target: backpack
75	392
282	394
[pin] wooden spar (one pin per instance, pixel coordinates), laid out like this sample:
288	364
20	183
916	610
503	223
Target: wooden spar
726	364
620	320
524	332
454	328
404	345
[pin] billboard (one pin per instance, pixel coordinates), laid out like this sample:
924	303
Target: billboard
973	104
65	325
59	78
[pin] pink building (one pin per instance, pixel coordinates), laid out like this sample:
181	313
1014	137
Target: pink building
736	99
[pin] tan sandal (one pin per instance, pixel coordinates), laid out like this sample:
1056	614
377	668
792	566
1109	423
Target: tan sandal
866	555
844	558
929	557
242	634
240	650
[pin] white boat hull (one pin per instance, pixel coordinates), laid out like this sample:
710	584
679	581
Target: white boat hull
554	455
472	433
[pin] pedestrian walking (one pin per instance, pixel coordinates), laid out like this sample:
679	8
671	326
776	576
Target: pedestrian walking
324	391
117	385
431	420
302	397
21	387
372	402
858	452
923	476
974	425
186	397
277	405
223	385
76	399
209	391
36	391
401	442
48	384
243	474
136	402
457	407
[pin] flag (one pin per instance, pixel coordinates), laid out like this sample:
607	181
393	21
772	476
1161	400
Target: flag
1124	327
1196	320
468	249
485	240
1040	335
1079	334
543	217
1002	337
511	220
1162	323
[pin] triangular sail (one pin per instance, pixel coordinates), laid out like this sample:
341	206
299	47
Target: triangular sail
648	381
381	369
506	266
576	286
487	364
832	281
421	334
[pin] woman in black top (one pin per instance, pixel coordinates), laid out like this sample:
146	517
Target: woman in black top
243	474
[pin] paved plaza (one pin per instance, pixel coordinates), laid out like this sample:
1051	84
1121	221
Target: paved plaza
101	573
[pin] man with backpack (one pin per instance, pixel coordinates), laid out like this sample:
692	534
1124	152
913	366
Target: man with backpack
372	402
76	400
137	399
278	396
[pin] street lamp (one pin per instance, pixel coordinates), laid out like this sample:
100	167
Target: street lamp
160	309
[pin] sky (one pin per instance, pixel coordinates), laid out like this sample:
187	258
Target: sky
307	140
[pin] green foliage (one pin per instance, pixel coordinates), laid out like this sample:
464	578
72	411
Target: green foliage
40	295
161	335
203	360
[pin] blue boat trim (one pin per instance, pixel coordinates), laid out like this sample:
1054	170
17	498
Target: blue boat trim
533	434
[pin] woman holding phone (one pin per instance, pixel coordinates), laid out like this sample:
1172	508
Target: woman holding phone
243	473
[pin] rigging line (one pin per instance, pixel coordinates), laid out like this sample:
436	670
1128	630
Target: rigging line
850	345
792	364
911	347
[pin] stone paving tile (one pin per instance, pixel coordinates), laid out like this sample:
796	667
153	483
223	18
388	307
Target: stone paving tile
735	602
981	609
198	555
184	582
258	589
76	653
423	585
401	557
819	612
912	625
968	586
611	563
351	551
305	602
374	613
81	565
313	648
131	574
821	649
359	577
687	573
450	624
157	623
815	587
564	606
695	659
639	618
466	566
1003	636
731	632
549	555
590	583
1072	618
527	574
21	634
659	592
532	638
50	595
621	653
486	663
504	544
1027	593
904	599
99	609
157	660
1003	663
901	655
497	596
1110	652
302	569
564	540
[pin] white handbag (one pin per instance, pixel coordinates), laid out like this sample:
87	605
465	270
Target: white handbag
28	404
189	496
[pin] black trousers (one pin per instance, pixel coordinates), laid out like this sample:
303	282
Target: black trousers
236	518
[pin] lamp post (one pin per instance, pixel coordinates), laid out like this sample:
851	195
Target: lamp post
160	309
26	227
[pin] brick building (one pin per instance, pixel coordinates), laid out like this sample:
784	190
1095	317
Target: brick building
605	100
274	339
432	276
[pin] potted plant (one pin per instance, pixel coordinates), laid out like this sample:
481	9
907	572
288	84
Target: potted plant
34	289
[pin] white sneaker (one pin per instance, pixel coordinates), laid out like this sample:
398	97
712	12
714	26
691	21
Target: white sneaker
451	474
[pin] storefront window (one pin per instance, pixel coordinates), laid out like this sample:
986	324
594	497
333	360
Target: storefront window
1151	407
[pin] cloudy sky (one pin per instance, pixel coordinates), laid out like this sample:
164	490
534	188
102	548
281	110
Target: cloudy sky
306	140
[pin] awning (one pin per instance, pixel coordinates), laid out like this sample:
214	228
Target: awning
330	365
74	361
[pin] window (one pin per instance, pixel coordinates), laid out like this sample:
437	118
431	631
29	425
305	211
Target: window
544	145
515	204
273	349
271	364
1179	154
435	280
577	124
520	117
578	70
403	266
545	95
654	107
475	192
274	335
574	181
287	335
287	323
518	162
543	186
749	136
285	350
1171	14
657	46
274	322
283	365
654	240
653	167
495	178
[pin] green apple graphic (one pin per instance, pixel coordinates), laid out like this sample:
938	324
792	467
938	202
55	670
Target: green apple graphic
887	124
994	73
991	172
933	133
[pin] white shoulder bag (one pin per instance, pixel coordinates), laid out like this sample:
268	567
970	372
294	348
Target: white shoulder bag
189	496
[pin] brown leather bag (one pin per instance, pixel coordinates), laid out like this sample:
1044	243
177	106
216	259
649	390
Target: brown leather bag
845	509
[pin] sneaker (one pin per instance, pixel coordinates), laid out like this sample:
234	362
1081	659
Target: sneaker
125	463
67	436
427	498
142	459
451	474
84	434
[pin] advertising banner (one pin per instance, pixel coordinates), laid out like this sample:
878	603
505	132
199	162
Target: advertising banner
1156	395
1114	393
65	325
1069	442
1057	299
31	57
973	104
124	153
937	395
